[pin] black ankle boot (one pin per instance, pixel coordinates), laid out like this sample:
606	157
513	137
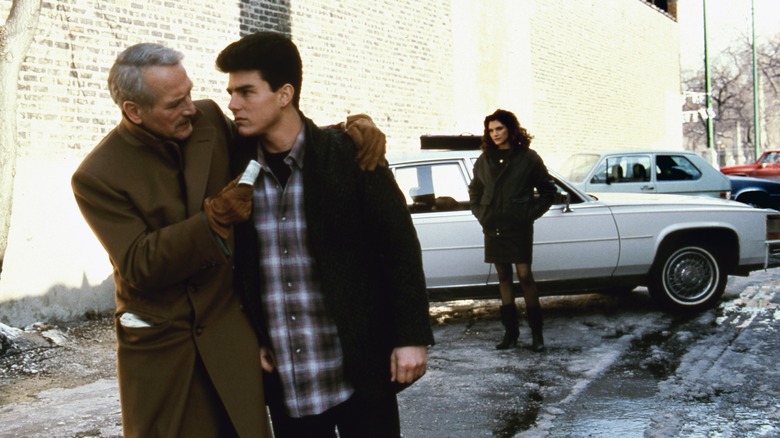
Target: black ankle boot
535	322
537	340
511	327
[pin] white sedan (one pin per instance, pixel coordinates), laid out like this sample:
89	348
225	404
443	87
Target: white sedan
682	248
645	171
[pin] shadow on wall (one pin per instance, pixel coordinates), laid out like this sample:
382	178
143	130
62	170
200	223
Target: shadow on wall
54	267
59	304
257	15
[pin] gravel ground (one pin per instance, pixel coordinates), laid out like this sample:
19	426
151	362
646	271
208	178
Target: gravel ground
60	380
44	356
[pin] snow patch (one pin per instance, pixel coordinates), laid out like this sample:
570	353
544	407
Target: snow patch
9	332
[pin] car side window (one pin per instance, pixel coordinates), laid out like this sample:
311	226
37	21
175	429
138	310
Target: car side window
600	177
623	169
562	195
434	187
675	168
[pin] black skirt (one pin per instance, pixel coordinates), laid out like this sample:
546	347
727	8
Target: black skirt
510	249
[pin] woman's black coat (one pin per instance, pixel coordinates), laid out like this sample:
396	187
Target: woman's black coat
502	196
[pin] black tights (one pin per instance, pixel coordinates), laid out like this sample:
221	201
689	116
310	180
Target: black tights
526	280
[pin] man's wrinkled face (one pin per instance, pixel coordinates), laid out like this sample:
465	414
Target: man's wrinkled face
171	115
256	108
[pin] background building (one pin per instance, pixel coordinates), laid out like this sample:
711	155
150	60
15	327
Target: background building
580	75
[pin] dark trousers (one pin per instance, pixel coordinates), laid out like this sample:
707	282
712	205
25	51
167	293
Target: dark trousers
355	418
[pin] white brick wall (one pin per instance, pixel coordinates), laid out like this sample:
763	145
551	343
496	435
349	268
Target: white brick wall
606	76
590	74
64	105
391	59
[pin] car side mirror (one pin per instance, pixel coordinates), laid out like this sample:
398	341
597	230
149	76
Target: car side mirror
565	199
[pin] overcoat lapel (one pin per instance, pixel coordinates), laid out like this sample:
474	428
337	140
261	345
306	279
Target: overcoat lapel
197	155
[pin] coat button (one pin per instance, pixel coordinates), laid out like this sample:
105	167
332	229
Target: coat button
199	330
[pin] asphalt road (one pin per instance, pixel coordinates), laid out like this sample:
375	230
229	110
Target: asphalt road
614	366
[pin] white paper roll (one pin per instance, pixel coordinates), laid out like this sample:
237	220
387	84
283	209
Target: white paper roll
250	174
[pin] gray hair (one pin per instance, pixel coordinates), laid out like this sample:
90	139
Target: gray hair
126	80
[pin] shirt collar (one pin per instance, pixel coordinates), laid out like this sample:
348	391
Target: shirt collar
295	156
298	149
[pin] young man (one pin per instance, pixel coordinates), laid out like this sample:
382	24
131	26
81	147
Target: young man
157	192
340	287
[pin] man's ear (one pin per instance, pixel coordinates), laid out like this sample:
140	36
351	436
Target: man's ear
132	110
286	93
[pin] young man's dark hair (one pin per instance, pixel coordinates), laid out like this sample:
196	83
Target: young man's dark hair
272	54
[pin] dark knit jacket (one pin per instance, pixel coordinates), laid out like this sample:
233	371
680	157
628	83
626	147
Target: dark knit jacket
503	199
368	258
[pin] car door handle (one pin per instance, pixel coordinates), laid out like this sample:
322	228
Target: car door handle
646	188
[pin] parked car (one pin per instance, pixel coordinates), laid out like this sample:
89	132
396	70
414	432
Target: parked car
628	173
758	192
646	171
767	166
682	248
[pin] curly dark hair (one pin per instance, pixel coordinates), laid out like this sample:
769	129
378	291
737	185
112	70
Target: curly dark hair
518	136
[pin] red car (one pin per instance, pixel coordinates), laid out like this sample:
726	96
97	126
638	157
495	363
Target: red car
767	166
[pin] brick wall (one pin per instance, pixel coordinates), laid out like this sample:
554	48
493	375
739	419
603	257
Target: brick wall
606	76
581	74
64	105
390	59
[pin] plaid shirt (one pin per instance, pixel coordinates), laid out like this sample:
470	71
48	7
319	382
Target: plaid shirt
303	335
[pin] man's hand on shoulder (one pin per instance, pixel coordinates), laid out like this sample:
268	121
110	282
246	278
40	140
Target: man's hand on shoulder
370	141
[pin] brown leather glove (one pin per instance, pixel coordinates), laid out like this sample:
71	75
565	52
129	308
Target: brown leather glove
231	206
370	141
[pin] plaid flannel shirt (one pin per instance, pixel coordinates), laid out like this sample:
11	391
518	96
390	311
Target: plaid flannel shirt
303	335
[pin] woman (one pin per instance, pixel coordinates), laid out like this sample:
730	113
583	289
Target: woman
502	198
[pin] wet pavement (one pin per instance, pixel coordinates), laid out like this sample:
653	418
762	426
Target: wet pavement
614	366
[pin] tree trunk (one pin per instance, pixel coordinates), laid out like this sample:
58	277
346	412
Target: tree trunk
15	38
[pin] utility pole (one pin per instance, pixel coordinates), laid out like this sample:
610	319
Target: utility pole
708	84
756	86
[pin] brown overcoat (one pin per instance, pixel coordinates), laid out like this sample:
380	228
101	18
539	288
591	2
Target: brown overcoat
143	199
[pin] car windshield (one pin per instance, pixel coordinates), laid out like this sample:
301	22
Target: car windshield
771	158
577	167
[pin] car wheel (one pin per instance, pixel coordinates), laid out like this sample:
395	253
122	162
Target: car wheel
687	278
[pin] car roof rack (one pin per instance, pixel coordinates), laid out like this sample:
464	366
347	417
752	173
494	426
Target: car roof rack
463	142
